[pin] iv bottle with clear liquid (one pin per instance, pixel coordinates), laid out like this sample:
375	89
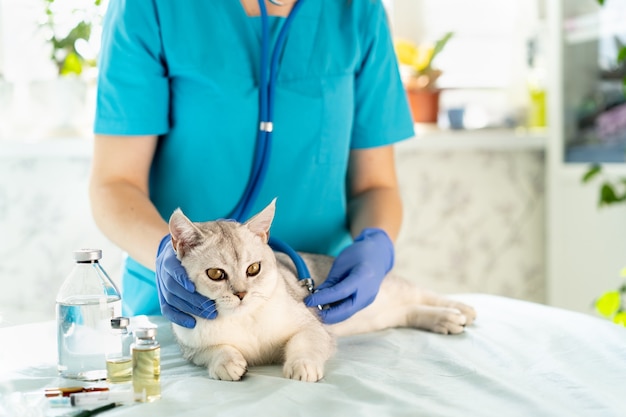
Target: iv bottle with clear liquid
146	365
85	304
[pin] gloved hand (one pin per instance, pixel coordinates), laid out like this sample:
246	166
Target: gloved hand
355	277
177	294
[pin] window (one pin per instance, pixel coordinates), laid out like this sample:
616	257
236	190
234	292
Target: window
30	88
486	61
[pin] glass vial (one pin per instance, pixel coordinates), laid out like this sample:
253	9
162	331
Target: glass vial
85	304
119	359
146	365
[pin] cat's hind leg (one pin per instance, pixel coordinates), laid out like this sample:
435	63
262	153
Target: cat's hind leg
401	303
435	300
441	320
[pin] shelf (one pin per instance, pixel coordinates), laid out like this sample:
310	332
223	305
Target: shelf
593	26
429	137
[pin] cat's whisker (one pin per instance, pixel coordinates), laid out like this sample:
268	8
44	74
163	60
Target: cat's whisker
208	310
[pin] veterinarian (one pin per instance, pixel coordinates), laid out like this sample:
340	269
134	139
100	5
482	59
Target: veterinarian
177	123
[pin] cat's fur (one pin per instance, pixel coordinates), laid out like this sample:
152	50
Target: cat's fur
262	318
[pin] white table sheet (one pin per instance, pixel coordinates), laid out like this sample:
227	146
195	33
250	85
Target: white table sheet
519	359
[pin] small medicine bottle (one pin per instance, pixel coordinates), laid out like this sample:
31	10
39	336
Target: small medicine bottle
119	359
146	353
85	304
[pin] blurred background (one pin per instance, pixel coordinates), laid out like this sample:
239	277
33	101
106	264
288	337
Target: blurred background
514	102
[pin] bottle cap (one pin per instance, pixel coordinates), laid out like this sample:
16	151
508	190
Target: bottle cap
119	322
146	333
87	255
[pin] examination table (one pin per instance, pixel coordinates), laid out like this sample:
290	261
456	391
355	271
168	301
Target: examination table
518	359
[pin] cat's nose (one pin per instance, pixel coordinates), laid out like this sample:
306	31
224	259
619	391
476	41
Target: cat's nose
241	294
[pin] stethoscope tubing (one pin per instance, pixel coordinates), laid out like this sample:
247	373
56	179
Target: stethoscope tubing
262	153
266	109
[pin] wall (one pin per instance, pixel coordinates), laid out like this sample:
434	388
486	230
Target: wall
44	216
474	221
587	243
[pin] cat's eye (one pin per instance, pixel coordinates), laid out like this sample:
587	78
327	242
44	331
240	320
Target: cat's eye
254	269
216	274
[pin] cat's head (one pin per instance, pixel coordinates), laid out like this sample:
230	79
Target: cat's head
228	262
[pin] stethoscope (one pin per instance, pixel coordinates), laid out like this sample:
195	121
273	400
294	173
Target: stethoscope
264	134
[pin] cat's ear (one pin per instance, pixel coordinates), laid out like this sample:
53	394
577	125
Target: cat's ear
260	223
185	234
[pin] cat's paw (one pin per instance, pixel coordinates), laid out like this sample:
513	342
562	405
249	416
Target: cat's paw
228	365
304	370
449	321
468	312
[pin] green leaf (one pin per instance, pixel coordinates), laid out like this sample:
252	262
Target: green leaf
601	2
620	318
608	303
621	55
72	64
607	194
439	45
593	171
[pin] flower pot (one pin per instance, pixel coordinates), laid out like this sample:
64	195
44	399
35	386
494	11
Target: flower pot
424	104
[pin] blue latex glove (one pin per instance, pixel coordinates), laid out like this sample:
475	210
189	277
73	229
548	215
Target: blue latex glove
355	277
177	294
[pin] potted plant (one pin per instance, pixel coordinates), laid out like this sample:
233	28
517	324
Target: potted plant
65	101
421	81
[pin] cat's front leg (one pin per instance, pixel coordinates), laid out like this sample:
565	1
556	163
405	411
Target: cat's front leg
225	362
306	354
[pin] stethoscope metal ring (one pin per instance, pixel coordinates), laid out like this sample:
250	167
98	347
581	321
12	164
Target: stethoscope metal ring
277	3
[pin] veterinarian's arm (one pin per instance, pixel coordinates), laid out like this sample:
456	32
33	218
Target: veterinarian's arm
120	201
122	209
374	199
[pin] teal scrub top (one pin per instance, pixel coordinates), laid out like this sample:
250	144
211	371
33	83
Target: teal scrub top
187	71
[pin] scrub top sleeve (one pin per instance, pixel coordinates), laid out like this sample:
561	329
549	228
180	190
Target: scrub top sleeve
382	114
133	88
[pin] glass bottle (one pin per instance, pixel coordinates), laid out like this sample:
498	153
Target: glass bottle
146	365
119	360
85	304
536	82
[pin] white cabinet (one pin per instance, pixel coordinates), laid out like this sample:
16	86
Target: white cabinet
586	245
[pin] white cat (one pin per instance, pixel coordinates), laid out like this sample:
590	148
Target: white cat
261	316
